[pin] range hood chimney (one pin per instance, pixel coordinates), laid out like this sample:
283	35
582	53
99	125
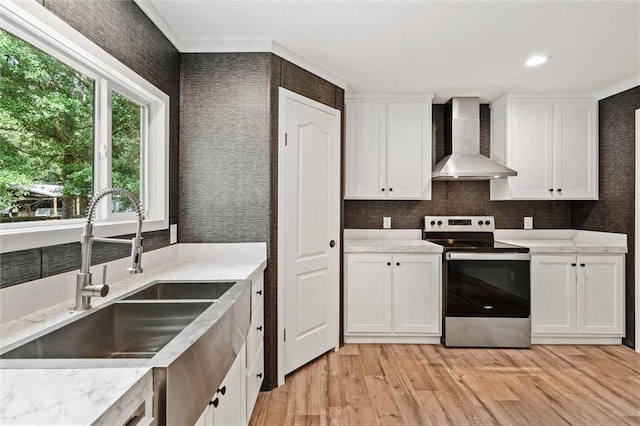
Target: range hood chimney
463	160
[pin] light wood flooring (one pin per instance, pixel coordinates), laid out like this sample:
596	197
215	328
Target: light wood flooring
434	385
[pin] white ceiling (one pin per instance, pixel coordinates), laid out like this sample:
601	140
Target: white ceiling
445	47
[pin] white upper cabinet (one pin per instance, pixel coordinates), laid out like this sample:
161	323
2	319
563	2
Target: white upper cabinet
388	153
553	145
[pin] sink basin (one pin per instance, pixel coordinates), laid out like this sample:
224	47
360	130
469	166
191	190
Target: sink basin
120	330
183	290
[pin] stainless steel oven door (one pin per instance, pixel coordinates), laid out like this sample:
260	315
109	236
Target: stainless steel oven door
487	284
487	300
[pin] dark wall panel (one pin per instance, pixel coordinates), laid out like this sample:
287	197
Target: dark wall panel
225	157
124	31
456	198
19	266
307	84
615	210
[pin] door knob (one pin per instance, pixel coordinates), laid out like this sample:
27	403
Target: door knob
332	243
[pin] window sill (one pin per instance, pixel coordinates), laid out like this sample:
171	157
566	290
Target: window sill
29	238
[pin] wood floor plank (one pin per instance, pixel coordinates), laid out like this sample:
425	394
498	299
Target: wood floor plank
383	401
433	385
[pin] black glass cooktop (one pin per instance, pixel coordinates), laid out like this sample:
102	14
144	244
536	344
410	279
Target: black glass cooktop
476	242
479	246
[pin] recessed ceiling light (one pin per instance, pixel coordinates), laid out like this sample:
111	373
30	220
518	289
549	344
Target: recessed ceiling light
536	60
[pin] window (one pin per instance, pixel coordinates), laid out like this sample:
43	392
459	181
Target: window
73	120
46	135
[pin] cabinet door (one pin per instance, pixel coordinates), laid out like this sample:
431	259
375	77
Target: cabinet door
231	395
601	295
531	140
206	418
575	167
408	150
416	290
368	293
255	376
365	157
553	294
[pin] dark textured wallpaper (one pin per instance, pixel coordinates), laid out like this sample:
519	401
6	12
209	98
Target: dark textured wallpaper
123	30
225	153
615	210
456	198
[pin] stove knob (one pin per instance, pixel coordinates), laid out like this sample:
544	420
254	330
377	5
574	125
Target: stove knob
439	222
487	222
433	222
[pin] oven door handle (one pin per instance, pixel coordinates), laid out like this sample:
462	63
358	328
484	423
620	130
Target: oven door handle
487	256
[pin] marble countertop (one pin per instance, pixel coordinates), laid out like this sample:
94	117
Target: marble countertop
390	246
102	393
72	396
538	241
387	241
565	241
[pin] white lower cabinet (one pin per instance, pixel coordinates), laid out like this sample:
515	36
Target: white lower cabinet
255	347
227	405
577	295
392	296
233	402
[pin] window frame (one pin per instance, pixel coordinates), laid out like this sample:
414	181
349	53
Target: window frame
32	22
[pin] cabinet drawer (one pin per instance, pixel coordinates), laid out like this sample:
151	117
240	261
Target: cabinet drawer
256	333
255	376
257	292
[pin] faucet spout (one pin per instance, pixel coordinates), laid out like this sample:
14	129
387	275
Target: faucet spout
85	289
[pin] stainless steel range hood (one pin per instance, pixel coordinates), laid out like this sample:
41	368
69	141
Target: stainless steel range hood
463	160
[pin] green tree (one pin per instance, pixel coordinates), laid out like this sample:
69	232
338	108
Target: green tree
46	122
47	127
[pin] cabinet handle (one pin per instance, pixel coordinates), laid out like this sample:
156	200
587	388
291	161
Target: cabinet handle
259	292
215	403
583	265
222	390
397	263
388	263
390	189
382	189
332	243
259	375
259	328
559	189
573	264
550	189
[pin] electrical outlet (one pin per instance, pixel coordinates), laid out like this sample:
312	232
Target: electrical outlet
386	222
528	222
173	234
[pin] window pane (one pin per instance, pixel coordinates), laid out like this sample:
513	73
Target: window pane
125	146
46	135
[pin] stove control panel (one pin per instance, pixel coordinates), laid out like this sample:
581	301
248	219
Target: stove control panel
459	224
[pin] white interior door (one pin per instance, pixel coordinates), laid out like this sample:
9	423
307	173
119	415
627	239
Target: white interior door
310	169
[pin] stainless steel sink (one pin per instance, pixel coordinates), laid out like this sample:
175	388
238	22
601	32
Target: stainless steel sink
211	290
188	332
120	330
